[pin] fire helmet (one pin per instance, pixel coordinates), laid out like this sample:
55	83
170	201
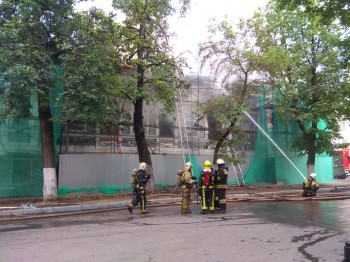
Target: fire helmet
188	164
313	175
207	164
220	161
142	166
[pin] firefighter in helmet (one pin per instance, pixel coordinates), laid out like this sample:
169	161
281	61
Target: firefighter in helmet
140	189
310	185
187	181
220	185
206	188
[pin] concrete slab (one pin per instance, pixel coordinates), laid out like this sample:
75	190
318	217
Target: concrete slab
94	207
62	209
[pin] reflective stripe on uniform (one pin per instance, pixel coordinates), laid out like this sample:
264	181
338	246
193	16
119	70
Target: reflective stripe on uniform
221	186
204	204
212	207
142	203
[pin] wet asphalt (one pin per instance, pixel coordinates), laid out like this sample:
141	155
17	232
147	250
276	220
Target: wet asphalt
266	231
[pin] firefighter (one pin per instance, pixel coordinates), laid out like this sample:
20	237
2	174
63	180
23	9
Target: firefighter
140	189
187	181
310	185
220	185
206	188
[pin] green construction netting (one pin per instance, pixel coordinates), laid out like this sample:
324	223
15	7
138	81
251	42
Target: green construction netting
269	165
21	169
104	190
196	167
21	158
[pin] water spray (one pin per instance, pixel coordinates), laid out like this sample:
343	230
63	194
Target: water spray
273	142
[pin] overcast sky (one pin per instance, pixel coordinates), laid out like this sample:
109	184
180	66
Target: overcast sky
192	29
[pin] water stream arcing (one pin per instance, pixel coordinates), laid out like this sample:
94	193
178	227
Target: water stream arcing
273	142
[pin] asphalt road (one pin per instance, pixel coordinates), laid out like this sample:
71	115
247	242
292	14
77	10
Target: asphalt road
273	231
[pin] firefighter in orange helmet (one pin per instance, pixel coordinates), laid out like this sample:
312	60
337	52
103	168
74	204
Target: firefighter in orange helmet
206	188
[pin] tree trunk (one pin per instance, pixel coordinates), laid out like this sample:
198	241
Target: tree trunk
48	156
142	148
241	96
311	138
221	140
237	168
311	157
49	170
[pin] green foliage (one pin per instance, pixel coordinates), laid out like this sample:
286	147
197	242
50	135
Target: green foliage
234	59
31	32
225	109
144	45
230	53
228	148
92	75
154	74
15	101
307	63
39	37
329	10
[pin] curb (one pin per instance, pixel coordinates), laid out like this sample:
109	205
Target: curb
60	209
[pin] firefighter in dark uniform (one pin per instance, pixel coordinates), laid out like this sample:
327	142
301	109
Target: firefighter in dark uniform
310	185
140	189
206	189
220	185
187	181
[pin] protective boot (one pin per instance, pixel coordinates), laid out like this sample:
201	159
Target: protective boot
185	211
130	207
216	202
204	211
223	208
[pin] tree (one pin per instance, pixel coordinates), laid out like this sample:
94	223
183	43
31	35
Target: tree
39	37
31	32
232	57
328	10
157	74
92	73
306	63
223	109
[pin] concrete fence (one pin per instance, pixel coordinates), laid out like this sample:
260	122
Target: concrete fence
114	170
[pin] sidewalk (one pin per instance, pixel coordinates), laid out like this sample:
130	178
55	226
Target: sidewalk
328	191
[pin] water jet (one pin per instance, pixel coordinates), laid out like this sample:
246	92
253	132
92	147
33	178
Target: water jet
273	142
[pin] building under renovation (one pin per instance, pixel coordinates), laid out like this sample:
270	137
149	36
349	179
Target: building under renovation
102	158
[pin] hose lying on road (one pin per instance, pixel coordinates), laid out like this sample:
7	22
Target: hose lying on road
163	195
